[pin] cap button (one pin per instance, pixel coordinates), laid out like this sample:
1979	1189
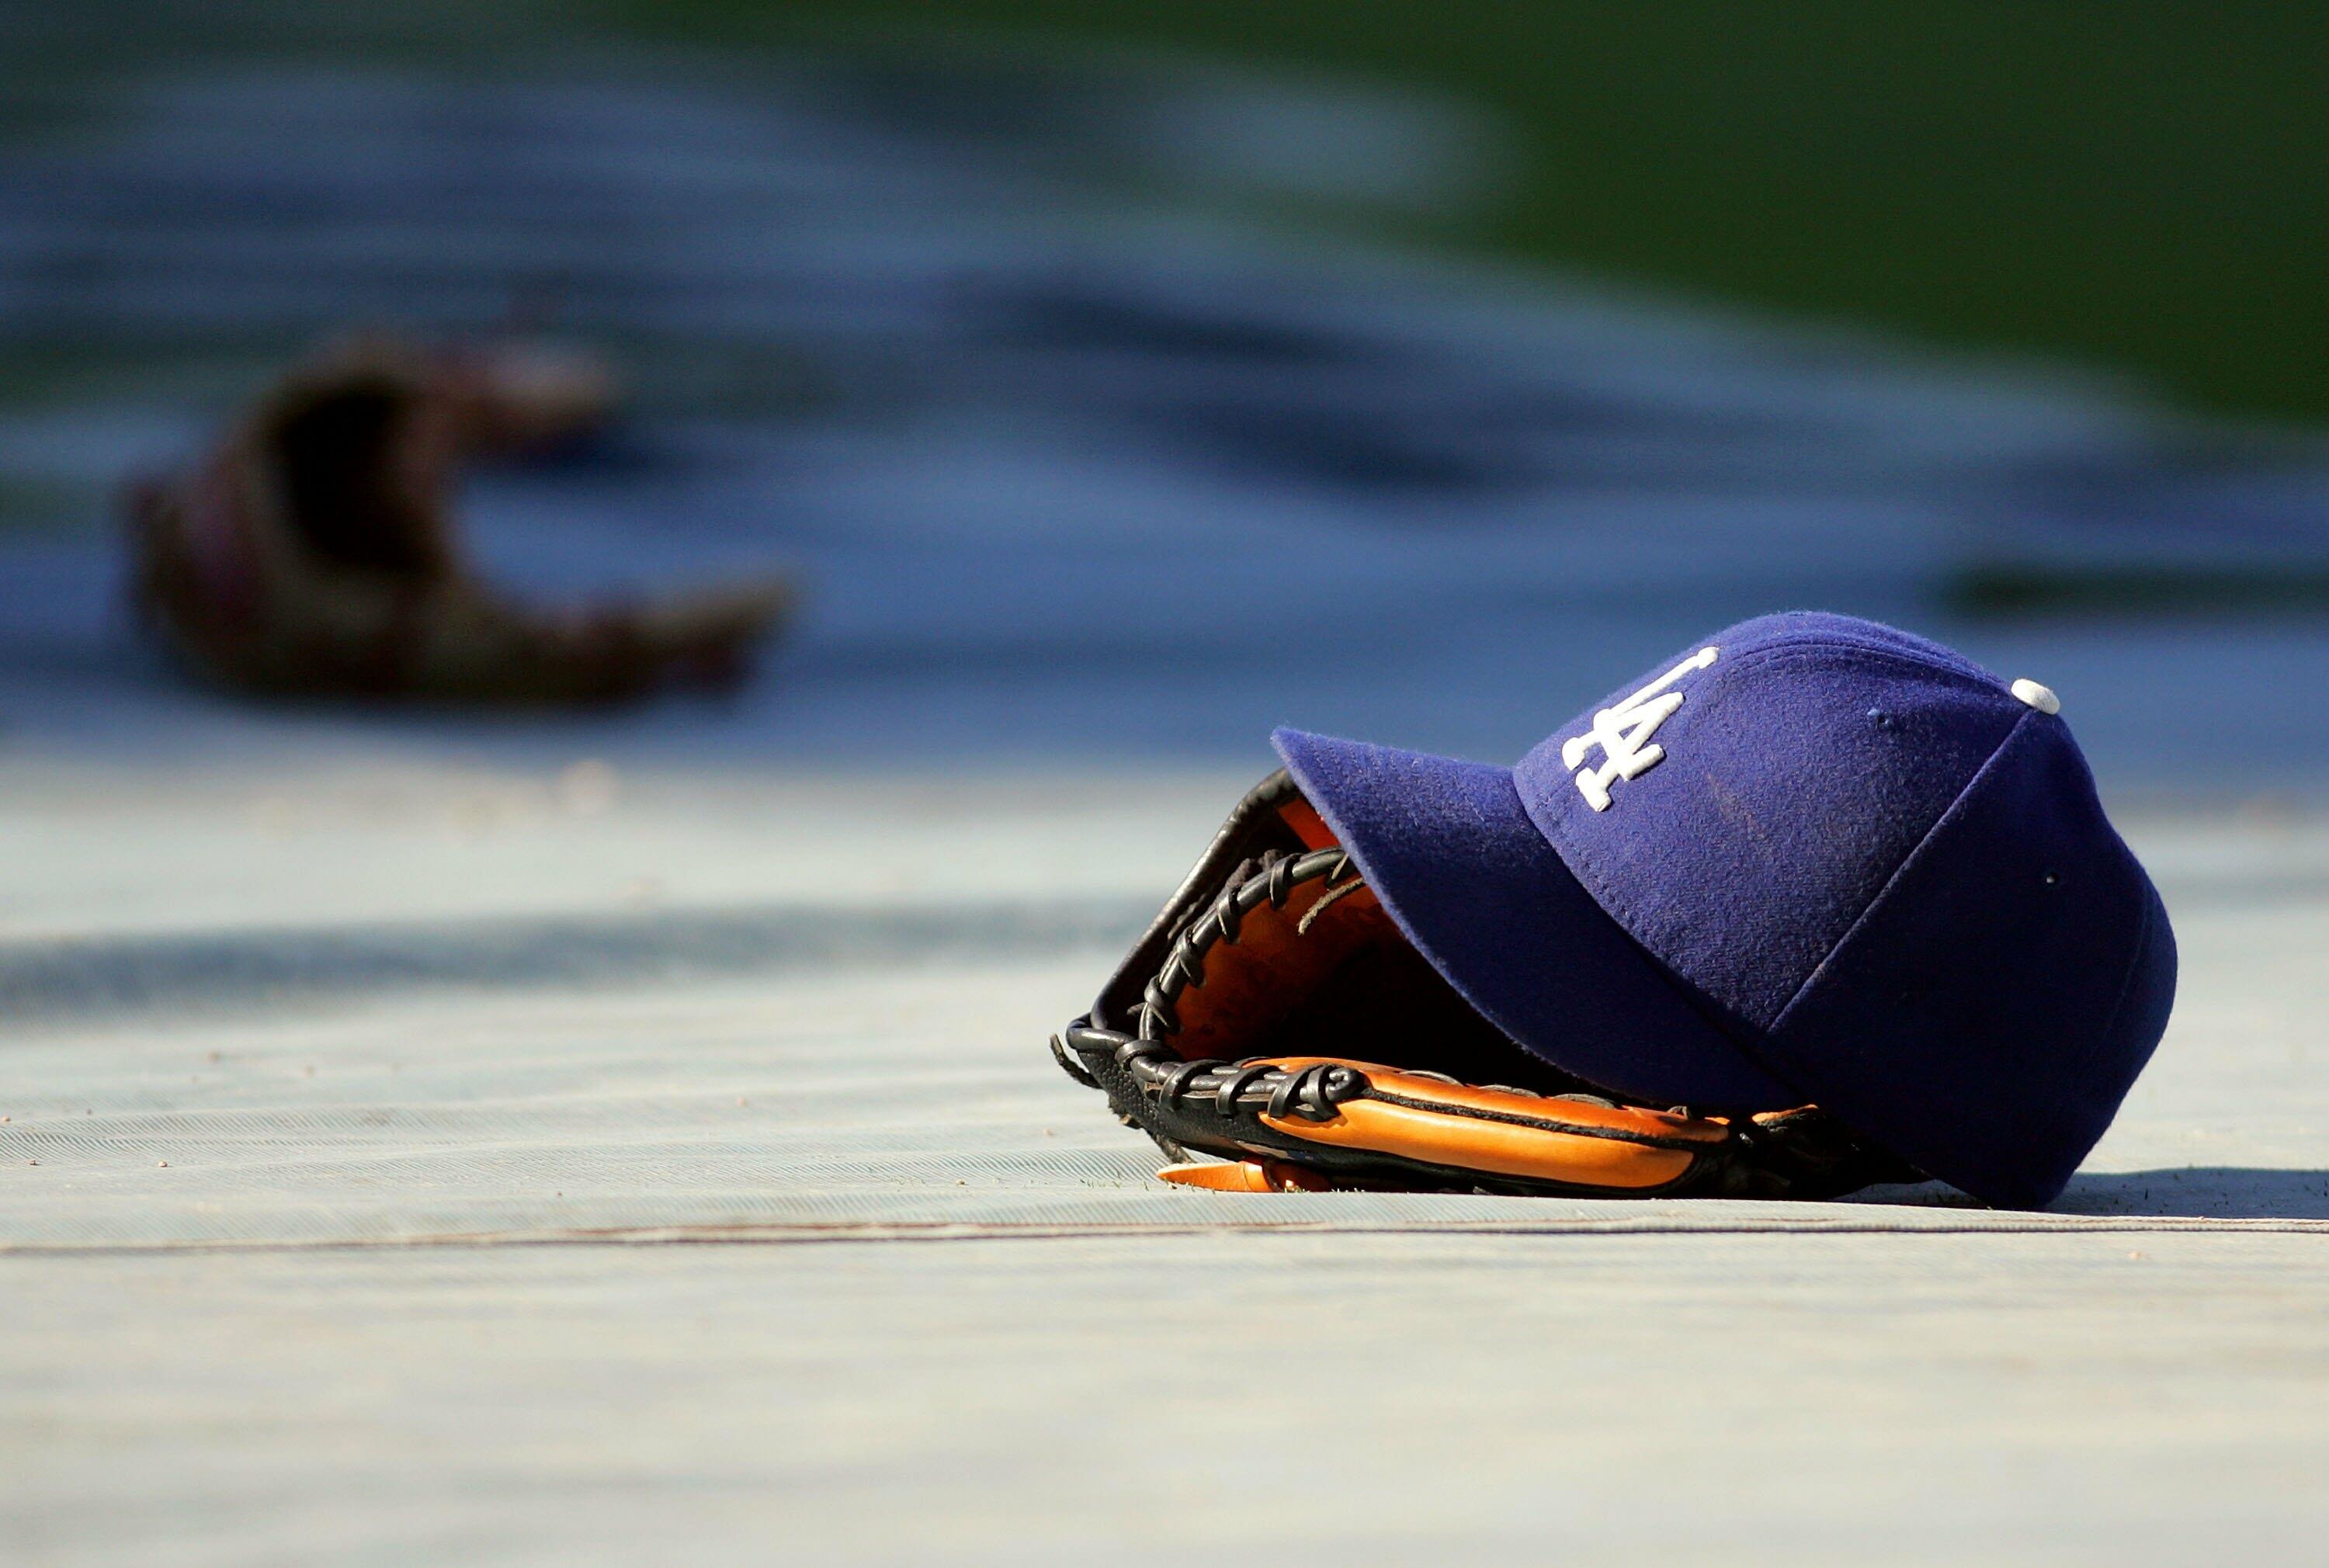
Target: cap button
2038	697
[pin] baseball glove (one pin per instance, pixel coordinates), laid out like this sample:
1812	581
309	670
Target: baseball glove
316	550
1276	1019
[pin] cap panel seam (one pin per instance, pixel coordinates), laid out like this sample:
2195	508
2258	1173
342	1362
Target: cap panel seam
1956	808
1746	1041
2154	907
1808	648
1963	669
1620	907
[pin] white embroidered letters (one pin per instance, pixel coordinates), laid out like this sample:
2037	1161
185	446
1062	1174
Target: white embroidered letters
1623	734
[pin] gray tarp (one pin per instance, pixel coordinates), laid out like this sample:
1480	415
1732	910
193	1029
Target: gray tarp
370	1239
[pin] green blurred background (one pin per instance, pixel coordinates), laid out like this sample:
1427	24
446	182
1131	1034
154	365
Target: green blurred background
2135	186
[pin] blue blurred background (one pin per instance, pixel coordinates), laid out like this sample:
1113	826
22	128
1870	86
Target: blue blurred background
1121	379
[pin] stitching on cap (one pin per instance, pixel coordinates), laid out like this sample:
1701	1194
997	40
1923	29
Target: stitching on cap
1805	646
1622	907
2154	907
1938	657
1659	969
1957	807
1668	976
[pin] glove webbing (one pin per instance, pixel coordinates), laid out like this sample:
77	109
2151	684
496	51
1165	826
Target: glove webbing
1147	1058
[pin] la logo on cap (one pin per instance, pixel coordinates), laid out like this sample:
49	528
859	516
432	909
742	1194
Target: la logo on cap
1623	733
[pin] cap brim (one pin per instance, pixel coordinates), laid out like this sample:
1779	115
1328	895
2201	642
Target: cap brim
1449	849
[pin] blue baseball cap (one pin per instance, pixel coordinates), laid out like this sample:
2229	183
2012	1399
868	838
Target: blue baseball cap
1811	859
